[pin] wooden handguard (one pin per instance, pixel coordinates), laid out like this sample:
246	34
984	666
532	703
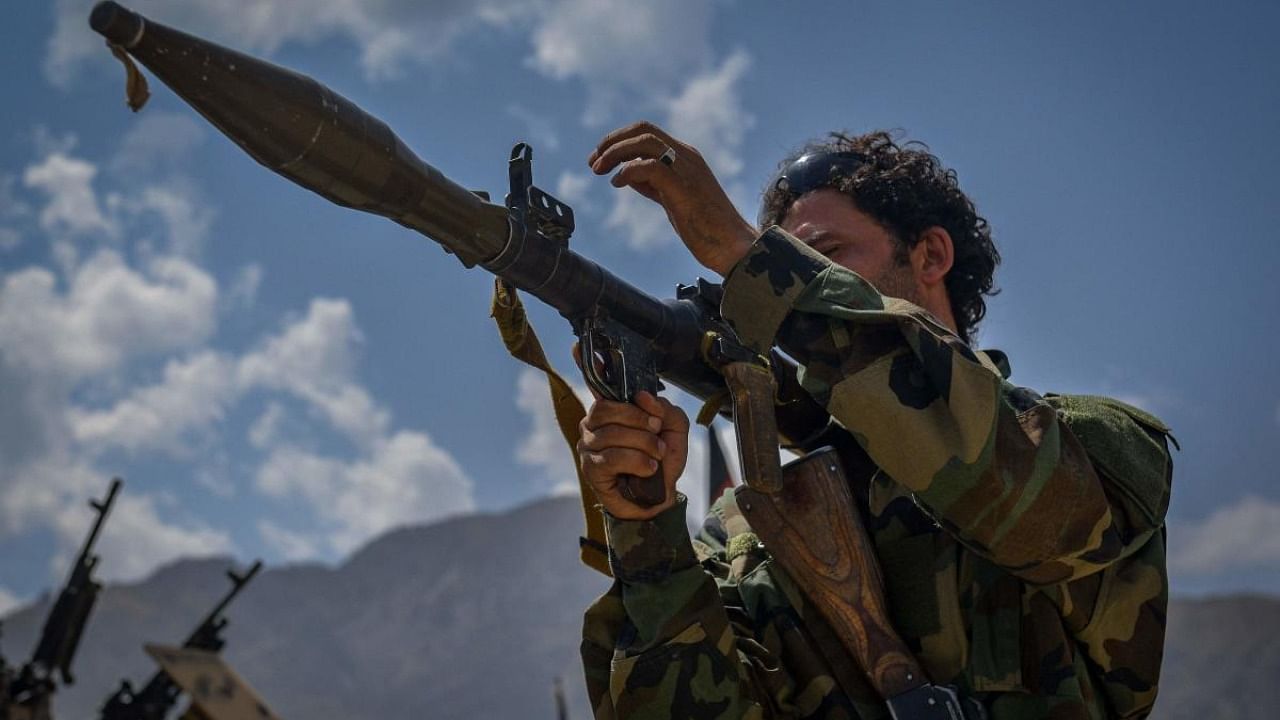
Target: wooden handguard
813	530
751	386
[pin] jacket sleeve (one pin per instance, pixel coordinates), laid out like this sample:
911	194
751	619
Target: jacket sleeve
666	632
991	462
673	636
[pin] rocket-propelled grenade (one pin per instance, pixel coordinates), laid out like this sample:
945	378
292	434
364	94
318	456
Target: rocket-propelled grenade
313	136
301	129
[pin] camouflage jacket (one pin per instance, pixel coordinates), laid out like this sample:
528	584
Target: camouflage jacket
1021	537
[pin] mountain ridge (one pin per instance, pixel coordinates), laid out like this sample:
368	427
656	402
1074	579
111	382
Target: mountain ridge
475	615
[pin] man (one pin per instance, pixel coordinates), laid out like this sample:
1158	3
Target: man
1021	537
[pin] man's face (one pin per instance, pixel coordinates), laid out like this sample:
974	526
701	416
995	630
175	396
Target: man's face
828	221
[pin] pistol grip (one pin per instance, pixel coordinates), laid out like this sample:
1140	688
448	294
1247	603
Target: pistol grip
644	491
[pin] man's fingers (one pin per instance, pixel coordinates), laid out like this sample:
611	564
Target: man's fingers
619	461
643	127
638	173
651	403
619	436
648	191
607	412
673	418
648	146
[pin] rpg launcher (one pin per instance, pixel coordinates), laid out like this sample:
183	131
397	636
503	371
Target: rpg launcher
34	684
160	694
313	136
298	128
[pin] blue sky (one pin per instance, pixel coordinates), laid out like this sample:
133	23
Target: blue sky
276	376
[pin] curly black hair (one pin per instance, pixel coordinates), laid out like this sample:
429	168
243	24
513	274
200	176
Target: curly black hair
907	190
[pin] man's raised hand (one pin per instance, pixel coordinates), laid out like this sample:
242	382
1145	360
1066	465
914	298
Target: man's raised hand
674	175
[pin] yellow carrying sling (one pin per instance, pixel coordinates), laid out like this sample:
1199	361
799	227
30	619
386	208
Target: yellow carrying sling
522	342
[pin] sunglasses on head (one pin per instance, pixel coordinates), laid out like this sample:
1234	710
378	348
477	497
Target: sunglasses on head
816	170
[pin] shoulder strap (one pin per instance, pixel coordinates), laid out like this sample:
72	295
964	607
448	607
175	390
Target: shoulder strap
522	342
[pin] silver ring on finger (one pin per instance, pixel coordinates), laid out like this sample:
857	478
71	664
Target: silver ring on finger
668	157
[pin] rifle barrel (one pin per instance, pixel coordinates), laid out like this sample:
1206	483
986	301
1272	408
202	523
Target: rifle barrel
102	508
209	626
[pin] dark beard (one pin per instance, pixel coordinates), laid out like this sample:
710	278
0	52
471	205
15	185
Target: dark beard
897	282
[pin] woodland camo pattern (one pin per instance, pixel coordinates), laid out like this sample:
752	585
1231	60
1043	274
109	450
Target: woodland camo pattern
1021	537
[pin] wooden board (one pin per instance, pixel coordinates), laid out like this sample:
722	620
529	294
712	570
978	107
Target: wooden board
216	691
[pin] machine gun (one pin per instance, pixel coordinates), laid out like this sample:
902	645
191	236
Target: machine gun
160	694
31	687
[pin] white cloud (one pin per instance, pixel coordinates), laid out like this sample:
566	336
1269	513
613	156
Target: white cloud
11	206
619	49
709	115
73	206
156	141
315	350
108	311
622	50
540	127
405	478
47	142
1243	537
390	34
242	291
644	222
314	360
213	475
265	431
311	359
186	220
8	602
38	492
571	188
194	392
139	537
74	209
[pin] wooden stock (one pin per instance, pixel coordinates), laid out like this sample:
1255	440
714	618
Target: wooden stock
813	530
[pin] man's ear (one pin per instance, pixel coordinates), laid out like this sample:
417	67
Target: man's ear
933	256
